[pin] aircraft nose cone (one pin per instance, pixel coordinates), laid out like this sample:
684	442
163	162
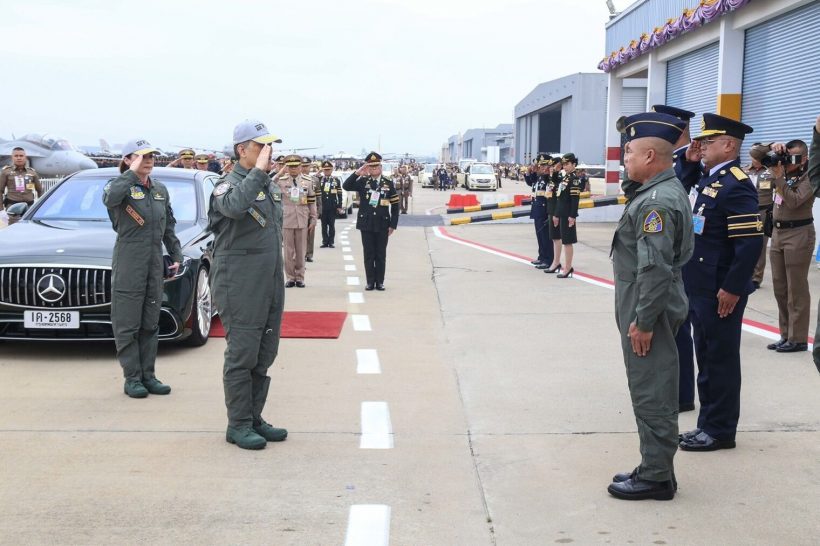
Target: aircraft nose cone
87	163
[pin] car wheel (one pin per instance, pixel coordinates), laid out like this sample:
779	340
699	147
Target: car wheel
202	311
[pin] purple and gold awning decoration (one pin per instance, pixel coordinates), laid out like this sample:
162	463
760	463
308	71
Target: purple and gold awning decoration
706	12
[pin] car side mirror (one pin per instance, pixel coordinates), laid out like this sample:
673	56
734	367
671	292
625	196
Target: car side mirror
17	210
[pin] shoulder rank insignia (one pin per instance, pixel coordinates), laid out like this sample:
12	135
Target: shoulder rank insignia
653	223
222	189
137	193
260	196
739	174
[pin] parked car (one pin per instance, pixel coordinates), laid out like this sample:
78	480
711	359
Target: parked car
478	176
55	263
426	179
348	198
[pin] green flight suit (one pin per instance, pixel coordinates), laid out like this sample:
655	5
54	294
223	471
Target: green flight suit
653	241
248	286
143	219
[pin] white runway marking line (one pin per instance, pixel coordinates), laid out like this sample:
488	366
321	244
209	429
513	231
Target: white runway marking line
353	281
345	249
355	297
377	431
367	361
350	267
368	525
361	323
348	257
746	327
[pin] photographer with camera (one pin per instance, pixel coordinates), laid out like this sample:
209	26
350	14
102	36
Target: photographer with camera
793	239
814	178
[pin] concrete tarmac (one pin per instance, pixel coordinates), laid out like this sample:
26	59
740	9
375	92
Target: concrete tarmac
507	411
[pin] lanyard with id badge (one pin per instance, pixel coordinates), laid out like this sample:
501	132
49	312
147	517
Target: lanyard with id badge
374	197
20	183
698	220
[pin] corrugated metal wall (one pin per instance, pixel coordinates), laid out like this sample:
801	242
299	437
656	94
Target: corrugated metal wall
781	77
692	83
633	100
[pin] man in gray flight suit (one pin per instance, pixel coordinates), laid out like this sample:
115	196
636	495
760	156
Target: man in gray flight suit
247	282
653	241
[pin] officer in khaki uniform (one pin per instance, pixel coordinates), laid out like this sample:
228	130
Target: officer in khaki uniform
185	159
762	179
653	241
792	248
18	182
299	215
329	203
378	216
246	279
814	179
404	187
201	162
311	234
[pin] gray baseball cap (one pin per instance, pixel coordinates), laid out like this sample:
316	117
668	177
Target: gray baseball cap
138	146
255	130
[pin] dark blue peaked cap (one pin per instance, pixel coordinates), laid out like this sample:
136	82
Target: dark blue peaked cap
654	124
679	113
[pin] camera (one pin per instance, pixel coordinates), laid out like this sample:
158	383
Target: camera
772	159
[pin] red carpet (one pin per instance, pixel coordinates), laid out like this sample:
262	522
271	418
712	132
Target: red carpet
301	324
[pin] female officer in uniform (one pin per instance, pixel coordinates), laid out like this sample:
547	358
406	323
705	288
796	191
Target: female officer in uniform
140	212
567	196
552	211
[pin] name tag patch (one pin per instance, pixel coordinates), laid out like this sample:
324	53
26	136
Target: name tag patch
135	215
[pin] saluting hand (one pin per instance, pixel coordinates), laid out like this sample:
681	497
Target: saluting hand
135	163
641	341
263	161
361	170
693	151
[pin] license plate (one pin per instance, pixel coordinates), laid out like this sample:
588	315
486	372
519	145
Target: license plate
52	320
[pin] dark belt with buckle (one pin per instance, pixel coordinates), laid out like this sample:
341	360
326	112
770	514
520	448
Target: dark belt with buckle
787	224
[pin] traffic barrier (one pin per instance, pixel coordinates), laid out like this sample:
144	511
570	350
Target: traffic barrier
523	201
462	200
588	203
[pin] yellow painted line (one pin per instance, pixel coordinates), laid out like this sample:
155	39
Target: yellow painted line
506	204
585	194
502	215
472	208
462	220
586	204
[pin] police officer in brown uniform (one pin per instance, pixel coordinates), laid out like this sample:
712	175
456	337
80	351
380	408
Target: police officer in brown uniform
18	182
311	234
792	245
298	215
762	179
404	187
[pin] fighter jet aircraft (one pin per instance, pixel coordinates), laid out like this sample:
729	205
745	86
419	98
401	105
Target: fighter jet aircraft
49	156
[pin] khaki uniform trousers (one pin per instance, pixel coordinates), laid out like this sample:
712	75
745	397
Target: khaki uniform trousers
295	240
791	255
760	267
311	237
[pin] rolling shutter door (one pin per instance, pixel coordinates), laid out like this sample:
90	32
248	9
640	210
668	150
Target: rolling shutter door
781	77
692	83
633	101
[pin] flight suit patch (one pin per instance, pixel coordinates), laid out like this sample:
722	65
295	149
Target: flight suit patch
258	217
260	196
653	223
135	215
137	193
159	197
222	189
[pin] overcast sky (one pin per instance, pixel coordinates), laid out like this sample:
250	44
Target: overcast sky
341	75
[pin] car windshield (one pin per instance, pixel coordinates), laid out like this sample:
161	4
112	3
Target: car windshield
481	169
80	198
429	168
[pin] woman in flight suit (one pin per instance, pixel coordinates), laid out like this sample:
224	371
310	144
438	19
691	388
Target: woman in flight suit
141	214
